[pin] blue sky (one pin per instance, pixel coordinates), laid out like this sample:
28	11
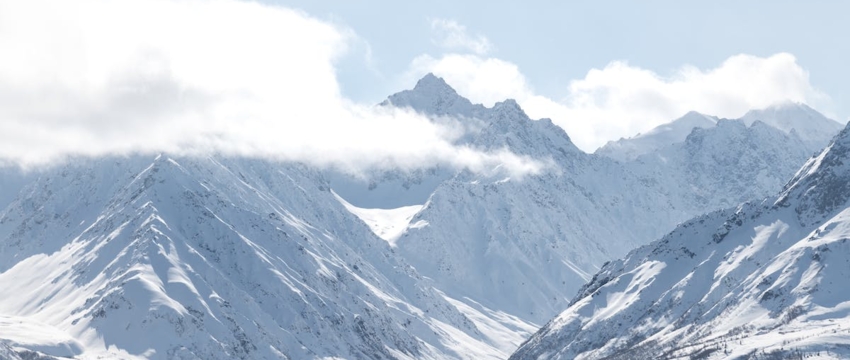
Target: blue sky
554	43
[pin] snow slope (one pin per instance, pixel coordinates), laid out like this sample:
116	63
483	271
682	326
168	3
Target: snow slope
388	224
524	246
815	129
724	165
794	119
657	138
215	259
236	258
12	179
763	280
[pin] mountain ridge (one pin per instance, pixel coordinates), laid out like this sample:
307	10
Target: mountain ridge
746	282
227	257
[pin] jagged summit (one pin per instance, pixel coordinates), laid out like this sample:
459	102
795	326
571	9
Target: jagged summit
505	125
433	96
433	84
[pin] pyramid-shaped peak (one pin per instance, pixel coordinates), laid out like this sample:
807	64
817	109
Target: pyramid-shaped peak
431	83
433	96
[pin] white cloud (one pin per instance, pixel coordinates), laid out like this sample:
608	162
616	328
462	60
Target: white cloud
622	100
451	35
97	77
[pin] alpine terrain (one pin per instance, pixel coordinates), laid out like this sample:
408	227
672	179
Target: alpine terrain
212	257
763	280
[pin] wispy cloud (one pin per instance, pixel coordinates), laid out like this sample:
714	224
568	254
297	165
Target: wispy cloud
621	100
453	36
96	77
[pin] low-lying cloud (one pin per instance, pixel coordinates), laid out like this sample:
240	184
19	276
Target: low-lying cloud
621	100
99	77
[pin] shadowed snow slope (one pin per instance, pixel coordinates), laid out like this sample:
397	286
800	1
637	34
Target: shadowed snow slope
524	246
762	280
215	259
237	258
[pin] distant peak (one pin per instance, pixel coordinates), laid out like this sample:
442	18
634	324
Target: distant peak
698	117
432	95
694	113
431	82
508	104
786	106
510	108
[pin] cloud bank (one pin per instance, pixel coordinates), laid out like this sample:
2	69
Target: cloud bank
98	77
621	100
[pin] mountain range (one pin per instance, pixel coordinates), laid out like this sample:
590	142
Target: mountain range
765	279
214	257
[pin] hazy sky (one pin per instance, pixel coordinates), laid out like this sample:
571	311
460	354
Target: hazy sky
297	80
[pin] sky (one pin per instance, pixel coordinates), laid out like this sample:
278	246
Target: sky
554	45
298	80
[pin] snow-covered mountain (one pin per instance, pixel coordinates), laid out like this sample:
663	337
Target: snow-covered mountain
660	137
523	246
215	259
767	279
794	119
815	129
12	179
480	237
723	165
239	258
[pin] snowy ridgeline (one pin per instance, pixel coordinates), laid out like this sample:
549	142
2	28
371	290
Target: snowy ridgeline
235	258
218	259
798	120
764	280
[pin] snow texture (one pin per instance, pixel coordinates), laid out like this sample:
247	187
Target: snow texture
215	259
664	135
794	119
221	258
763	280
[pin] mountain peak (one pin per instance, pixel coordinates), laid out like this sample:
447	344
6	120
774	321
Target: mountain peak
657	138
510	106
433	83
432	95
810	125
781	109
